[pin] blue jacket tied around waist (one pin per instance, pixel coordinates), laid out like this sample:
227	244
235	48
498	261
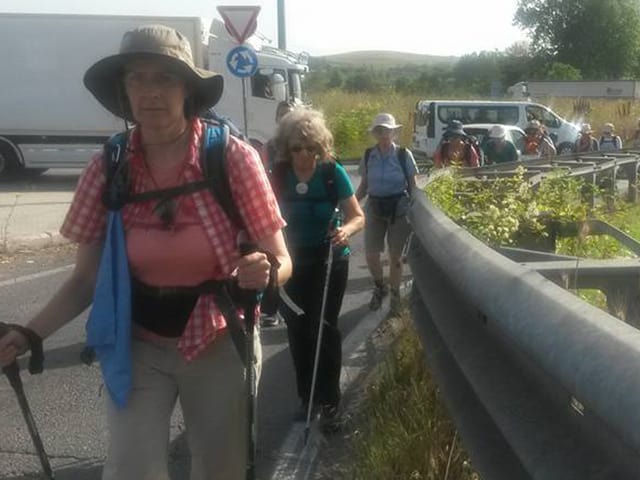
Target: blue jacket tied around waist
109	324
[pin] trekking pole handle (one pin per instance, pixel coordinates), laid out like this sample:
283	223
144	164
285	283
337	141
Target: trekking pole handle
36	362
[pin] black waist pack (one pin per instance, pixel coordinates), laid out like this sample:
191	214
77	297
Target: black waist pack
164	313
385	207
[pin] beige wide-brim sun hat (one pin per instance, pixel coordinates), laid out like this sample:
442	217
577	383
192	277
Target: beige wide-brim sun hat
385	120
104	78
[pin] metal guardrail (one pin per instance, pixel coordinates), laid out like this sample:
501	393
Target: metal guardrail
592	165
541	385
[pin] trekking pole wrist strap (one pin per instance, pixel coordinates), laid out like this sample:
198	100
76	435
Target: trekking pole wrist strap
36	362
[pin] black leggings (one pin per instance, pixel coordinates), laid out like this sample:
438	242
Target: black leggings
305	288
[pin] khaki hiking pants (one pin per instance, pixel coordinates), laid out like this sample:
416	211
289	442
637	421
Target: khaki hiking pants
213	399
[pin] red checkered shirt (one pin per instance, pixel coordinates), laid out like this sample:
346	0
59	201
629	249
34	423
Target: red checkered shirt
86	219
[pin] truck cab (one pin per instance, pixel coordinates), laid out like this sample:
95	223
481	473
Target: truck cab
278	79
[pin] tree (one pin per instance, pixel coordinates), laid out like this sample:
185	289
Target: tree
599	38
562	71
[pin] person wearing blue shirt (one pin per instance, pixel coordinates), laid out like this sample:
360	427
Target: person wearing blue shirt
388	176
310	185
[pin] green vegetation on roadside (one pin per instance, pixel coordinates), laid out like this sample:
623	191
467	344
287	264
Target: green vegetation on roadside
403	428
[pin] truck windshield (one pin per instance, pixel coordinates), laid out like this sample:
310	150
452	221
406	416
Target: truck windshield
295	85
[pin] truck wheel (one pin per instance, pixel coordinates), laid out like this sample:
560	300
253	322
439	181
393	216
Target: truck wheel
9	162
564	148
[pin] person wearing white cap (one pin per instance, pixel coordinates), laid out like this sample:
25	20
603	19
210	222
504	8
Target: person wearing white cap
497	149
609	141
388	176
586	142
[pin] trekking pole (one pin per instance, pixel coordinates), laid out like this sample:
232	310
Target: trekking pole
12	372
323	305
249	304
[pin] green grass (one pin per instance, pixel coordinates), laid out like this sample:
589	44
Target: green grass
404	430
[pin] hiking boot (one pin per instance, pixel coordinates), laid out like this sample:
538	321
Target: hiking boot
330	418
395	304
379	292
270	320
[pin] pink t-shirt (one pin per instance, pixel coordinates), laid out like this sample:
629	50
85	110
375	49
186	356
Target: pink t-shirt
178	255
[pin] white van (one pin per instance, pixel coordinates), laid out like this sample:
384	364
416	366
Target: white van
432	116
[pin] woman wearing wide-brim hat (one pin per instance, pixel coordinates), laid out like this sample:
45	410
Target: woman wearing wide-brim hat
388	176
456	148
152	83
586	142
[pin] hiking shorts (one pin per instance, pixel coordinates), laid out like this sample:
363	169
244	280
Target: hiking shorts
212	395
377	229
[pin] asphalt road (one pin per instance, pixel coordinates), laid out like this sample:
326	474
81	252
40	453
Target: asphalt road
67	399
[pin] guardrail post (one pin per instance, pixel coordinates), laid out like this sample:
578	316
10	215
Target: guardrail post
632	174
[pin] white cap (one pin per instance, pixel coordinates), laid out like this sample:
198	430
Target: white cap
497	131
385	120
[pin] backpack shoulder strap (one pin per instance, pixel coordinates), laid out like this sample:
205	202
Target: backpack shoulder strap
278	177
402	158
213	161
116	171
329	179
367	154
213	158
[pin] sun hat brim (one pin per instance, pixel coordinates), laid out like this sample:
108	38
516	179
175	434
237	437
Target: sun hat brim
385	125
104	80
454	133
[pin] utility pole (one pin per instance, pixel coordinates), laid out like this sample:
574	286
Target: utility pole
282	33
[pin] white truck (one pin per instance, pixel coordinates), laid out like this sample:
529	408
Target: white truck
544	89
49	120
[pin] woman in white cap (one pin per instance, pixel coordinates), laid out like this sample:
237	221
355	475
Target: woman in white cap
171	247
497	149
586	141
388	177
609	141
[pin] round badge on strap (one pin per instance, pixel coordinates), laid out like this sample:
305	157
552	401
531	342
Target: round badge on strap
302	188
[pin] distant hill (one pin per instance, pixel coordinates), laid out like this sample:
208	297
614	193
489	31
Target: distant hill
381	58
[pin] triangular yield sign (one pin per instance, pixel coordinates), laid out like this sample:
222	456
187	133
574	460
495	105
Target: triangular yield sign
240	21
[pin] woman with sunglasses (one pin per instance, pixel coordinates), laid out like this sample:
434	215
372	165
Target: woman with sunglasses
184	352
310	185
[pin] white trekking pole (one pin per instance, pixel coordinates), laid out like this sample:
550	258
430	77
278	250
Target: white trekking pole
316	361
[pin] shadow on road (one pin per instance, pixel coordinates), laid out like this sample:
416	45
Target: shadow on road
61	181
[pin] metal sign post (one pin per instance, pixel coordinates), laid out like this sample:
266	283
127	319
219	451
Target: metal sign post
242	61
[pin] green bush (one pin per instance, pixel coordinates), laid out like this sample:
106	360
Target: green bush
503	211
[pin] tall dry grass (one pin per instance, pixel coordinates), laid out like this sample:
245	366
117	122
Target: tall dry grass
624	114
361	107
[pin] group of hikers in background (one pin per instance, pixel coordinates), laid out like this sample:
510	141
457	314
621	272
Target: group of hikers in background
460	148
179	227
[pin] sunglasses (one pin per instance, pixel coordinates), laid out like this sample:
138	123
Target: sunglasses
381	130
298	148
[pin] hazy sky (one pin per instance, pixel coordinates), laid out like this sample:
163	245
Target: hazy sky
436	27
